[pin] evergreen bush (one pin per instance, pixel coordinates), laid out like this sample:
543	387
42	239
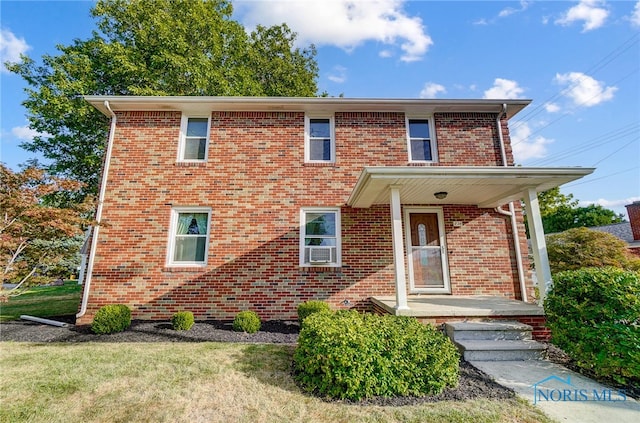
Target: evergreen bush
111	318
247	321
348	355
594	316
309	307
182	320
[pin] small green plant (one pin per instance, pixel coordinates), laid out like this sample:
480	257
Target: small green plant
111	318
309	307
594	316
182	320
247	321
352	356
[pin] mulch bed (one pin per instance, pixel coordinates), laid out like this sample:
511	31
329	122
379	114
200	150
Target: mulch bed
473	383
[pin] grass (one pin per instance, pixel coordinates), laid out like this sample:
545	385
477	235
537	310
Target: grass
187	382
43	301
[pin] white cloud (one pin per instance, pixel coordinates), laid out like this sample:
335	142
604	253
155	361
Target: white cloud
609	204
591	12
635	16
503	89
431	90
25	133
343	23
11	47
552	107
583	90
510	10
338	74
525	146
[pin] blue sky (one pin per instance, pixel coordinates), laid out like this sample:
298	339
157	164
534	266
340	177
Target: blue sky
579	61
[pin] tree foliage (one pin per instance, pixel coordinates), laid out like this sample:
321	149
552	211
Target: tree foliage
579	248
560	212
152	47
36	237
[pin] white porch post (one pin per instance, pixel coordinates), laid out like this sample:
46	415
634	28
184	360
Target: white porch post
398	250
538	243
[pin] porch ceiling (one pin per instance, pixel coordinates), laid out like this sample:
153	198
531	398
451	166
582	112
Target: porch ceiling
482	186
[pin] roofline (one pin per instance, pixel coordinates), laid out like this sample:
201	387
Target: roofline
194	104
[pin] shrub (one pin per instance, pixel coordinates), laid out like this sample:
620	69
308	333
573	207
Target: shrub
352	356
581	247
313	306
111	318
594	316
182	320
246	321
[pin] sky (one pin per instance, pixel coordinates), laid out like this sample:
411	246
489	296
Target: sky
578	61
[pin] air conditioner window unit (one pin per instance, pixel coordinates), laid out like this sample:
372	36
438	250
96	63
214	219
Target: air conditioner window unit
320	254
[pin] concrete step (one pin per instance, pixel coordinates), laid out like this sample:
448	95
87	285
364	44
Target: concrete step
500	350
491	330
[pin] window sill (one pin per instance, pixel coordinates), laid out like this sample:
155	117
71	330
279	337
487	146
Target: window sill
313	164
185	269
422	163
191	164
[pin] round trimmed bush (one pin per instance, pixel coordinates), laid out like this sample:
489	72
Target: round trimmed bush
312	306
111	318
594	316
182	320
247	321
348	355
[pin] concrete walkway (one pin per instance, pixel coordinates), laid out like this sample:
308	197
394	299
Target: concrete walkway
562	394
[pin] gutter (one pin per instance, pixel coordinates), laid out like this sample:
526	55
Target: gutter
511	213
96	229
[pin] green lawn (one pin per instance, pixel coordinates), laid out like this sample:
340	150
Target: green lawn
194	382
43	301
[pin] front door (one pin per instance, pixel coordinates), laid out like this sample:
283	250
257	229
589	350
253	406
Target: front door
426	251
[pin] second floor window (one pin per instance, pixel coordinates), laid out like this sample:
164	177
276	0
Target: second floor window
194	139
421	142
319	139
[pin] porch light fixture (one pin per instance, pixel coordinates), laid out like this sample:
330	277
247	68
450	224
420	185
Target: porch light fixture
441	195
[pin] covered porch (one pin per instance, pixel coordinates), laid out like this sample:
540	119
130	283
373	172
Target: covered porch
485	187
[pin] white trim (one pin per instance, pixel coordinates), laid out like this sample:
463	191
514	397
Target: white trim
307	137
443	249
173	227
302	236
184	122
538	243
432	138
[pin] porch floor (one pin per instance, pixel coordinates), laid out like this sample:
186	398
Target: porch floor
431	306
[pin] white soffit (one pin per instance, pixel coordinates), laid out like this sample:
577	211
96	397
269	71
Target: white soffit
486	187
196	104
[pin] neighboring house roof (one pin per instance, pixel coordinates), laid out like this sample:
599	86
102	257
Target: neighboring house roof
619	230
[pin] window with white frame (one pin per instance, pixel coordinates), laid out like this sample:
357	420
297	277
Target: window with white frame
189	236
320	237
319	139
422	146
194	139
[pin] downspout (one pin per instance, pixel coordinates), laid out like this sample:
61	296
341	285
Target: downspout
511	213
96	229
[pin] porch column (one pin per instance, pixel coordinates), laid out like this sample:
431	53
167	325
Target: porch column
538	243
398	250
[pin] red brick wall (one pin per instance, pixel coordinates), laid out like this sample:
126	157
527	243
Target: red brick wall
256	181
633	210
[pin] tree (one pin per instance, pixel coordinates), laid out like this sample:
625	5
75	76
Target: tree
36	237
152	47
560	212
578	248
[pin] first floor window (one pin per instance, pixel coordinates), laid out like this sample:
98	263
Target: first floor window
189	236
320	237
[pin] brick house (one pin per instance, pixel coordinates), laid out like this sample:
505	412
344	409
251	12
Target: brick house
628	232
221	204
